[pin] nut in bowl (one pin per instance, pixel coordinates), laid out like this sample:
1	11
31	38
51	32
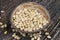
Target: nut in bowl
29	17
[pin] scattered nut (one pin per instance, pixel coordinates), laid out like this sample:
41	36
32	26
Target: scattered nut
15	36
32	38
49	36
1	23
5	32
38	38
2	11
46	33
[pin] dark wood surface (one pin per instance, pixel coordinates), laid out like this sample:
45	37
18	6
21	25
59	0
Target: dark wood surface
53	7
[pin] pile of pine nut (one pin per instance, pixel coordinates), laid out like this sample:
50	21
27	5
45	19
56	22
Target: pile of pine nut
29	19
